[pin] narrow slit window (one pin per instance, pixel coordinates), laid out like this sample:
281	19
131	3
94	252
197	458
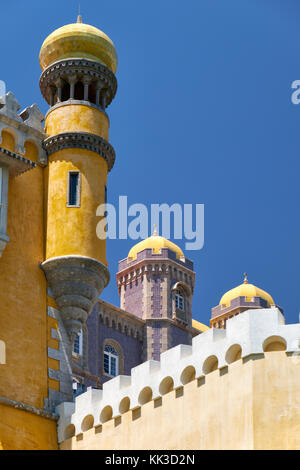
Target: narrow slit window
74	189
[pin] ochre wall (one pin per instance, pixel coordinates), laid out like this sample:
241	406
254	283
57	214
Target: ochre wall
77	118
21	430
23	325
23	293
72	230
254	405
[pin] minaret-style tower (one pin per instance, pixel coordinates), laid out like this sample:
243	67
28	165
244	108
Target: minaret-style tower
78	81
156	284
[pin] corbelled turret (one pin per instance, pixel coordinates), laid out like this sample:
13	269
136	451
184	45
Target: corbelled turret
78	64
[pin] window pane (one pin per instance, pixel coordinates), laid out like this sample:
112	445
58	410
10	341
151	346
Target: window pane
76	345
106	363
73	189
113	364
110	349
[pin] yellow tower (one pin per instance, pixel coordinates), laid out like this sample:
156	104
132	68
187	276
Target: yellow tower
78	81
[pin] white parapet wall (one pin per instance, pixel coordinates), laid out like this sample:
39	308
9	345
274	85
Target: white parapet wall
248	333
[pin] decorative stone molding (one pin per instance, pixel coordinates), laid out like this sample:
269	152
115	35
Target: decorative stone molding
76	282
74	70
83	140
25	126
17	164
9	106
31	409
33	117
246	336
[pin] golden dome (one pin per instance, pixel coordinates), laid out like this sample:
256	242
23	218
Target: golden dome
156	243
199	326
248	291
78	40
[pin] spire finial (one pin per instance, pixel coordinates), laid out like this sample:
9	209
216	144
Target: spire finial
245	278
79	17
154	231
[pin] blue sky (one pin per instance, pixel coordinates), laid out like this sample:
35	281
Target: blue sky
203	114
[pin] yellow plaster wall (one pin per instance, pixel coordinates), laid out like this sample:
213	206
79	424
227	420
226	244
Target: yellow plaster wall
77	118
256	405
23	323
72	230
23	293
21	430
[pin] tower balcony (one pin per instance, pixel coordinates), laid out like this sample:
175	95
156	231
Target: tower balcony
78	80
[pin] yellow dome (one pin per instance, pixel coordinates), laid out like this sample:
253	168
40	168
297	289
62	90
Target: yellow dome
156	243
78	40
199	326
248	291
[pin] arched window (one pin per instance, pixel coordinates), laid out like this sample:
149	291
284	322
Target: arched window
179	300
111	361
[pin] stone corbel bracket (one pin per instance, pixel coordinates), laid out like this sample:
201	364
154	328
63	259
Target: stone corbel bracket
76	283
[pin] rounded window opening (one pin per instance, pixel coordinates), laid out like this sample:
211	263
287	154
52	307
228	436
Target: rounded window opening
106	414
69	431
8	140
233	354
79	91
124	405
274	343
87	423
166	385
145	396
188	375
65	92
210	364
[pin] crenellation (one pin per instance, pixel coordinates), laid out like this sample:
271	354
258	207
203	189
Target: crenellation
183	363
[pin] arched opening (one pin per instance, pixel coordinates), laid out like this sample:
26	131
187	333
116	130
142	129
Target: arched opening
65	92
8	141
31	151
124	405
274	343
233	354
78	91
210	364
188	375
145	395
166	385
106	414
69	431
92	93
87	423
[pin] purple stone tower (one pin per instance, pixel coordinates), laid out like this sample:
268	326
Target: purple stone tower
156	284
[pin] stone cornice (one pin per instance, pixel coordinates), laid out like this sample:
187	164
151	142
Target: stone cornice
122	313
83	140
16	163
31	409
23	127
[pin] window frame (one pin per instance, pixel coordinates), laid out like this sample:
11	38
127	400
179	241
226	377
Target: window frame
111	356
80	344
181	298
78	191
